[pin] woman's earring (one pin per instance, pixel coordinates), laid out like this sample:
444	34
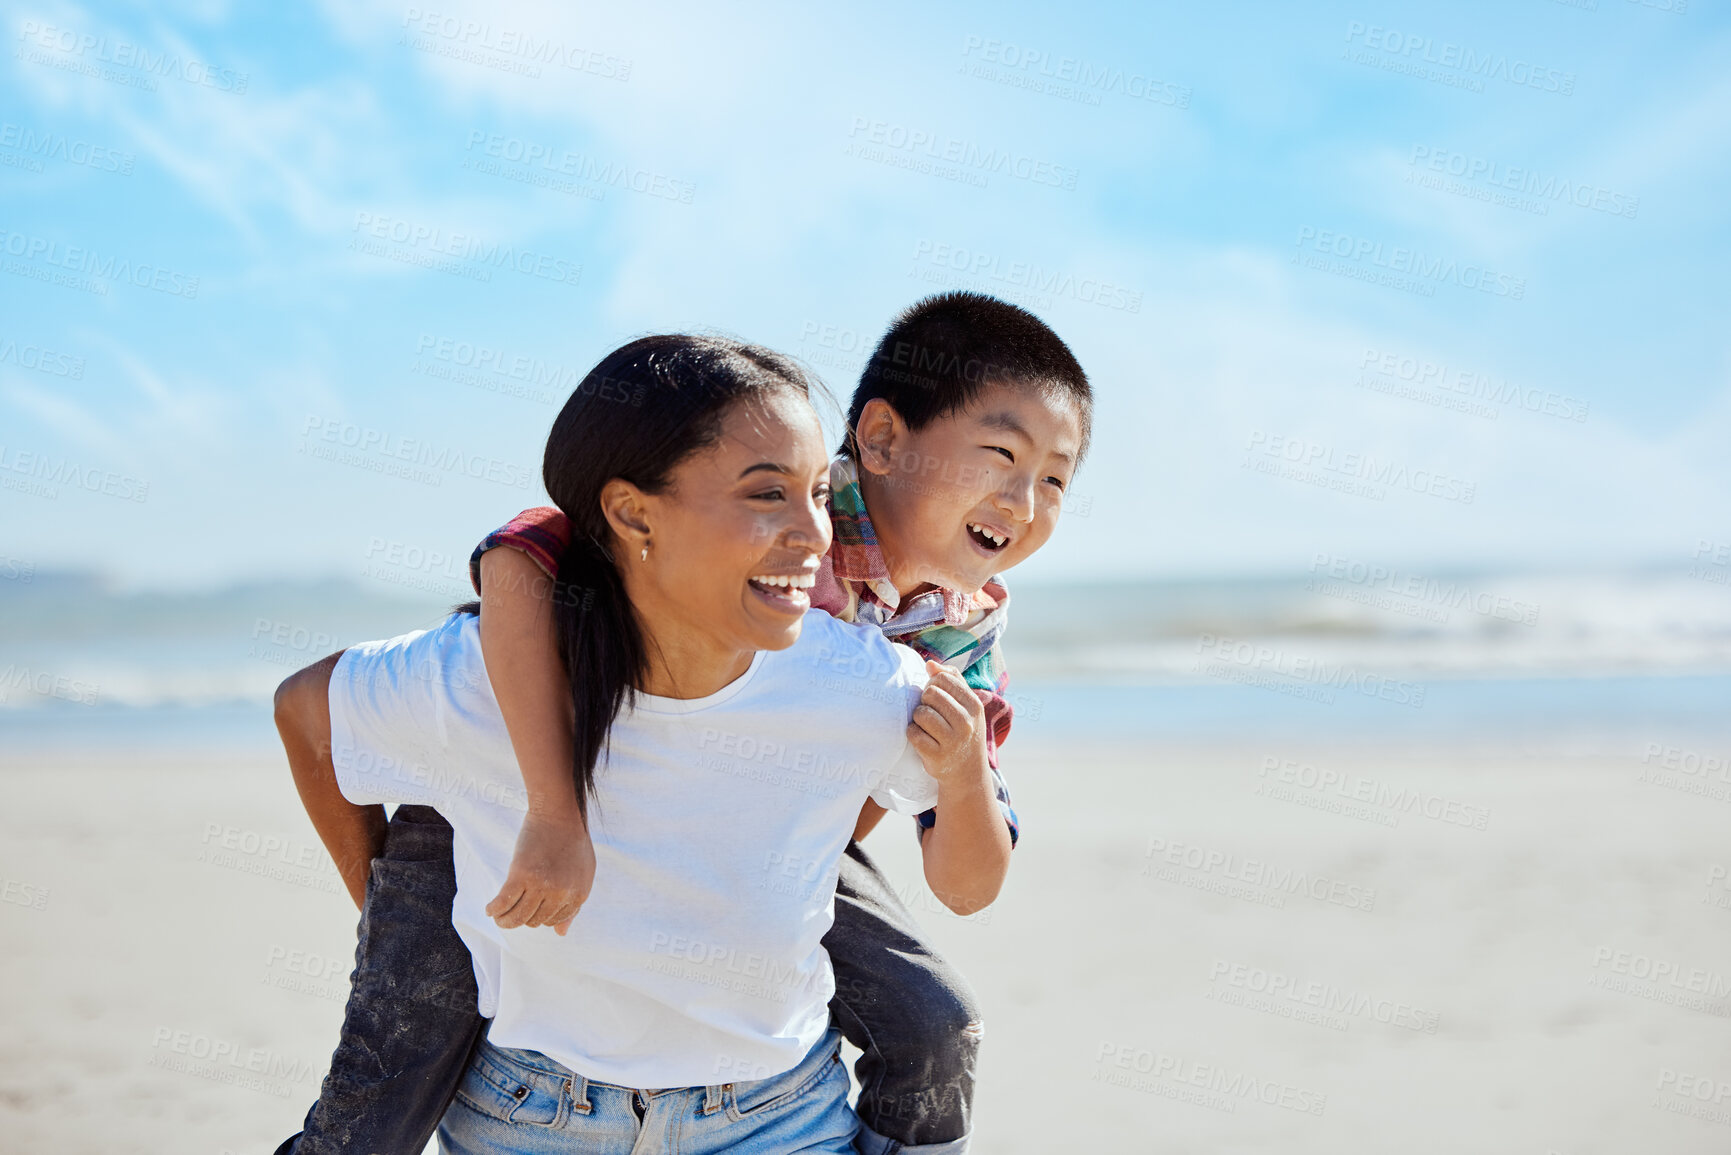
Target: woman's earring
644	556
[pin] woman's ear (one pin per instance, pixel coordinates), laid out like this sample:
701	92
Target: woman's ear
626	509
879	434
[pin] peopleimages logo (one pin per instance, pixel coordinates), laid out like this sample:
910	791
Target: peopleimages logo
1332	574
88	53
47	685
1278	881
558	162
532	378
412	458
1356	788
1401	263
1453	63
78	259
1067	76
1329	998
1053	283
1361	474
917	148
1471	385
429	246
1300	675
41	475
1529	182
39	146
445	34
1228	1086
41	359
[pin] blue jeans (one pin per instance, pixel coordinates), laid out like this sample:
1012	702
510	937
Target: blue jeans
411	1017
514	1102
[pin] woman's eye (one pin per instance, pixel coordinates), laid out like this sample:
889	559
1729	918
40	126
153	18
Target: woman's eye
821	495
768	495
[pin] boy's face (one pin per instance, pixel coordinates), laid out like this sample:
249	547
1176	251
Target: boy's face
974	492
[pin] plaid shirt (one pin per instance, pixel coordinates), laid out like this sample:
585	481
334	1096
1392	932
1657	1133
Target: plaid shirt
942	625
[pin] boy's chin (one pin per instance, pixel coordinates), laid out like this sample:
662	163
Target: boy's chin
969	579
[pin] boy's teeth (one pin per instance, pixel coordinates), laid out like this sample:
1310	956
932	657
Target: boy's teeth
987	534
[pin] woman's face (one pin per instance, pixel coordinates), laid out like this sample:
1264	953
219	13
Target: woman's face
734	541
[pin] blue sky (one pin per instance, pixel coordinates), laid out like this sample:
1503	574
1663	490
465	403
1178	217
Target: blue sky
1429	284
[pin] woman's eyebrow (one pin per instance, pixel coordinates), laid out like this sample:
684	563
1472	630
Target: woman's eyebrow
764	467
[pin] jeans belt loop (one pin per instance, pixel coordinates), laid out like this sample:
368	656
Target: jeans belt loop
712	1100
578	1088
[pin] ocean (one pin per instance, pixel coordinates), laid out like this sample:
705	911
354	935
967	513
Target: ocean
1350	654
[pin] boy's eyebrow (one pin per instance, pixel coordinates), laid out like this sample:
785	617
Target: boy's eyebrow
1005	421
1008	423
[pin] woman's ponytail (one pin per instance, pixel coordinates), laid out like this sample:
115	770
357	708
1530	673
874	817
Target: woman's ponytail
602	646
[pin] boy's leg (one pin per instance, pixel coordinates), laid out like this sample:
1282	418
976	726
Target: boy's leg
411	1017
914	1019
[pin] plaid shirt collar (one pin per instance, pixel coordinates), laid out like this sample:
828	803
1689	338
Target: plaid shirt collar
859	562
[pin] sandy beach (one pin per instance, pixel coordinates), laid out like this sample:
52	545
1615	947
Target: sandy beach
1511	946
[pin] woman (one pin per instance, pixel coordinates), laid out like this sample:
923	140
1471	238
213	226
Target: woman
722	736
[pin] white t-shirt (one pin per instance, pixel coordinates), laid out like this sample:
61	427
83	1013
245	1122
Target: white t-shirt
718	824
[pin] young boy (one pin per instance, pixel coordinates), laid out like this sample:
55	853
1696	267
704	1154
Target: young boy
965	429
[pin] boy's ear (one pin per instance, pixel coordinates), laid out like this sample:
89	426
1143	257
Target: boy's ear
626	509
879	434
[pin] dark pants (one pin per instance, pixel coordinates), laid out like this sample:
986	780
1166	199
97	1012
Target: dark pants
915	1020
411	1019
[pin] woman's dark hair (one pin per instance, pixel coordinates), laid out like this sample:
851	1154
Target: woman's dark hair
642	411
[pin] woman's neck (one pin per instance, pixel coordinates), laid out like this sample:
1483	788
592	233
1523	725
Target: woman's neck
681	662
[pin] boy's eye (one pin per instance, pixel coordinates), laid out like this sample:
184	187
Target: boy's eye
1057	481
1001	449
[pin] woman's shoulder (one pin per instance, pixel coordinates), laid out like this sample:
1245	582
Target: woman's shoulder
446	654
848	656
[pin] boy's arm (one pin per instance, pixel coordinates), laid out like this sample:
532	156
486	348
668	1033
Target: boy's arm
553	866
869	816
967	855
352	834
987	671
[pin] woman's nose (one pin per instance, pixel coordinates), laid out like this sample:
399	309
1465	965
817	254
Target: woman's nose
811	531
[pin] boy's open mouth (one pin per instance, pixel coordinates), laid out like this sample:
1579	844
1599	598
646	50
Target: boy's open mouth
988	540
786	591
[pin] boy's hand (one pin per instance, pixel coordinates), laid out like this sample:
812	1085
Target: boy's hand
551	873
948	728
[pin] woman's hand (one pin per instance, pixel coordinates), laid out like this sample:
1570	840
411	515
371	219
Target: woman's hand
552	871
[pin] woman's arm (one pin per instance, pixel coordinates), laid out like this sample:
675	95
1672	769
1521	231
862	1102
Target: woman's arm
352	834
967	854
553	867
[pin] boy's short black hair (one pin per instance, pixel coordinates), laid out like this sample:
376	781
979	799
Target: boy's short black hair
940	352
